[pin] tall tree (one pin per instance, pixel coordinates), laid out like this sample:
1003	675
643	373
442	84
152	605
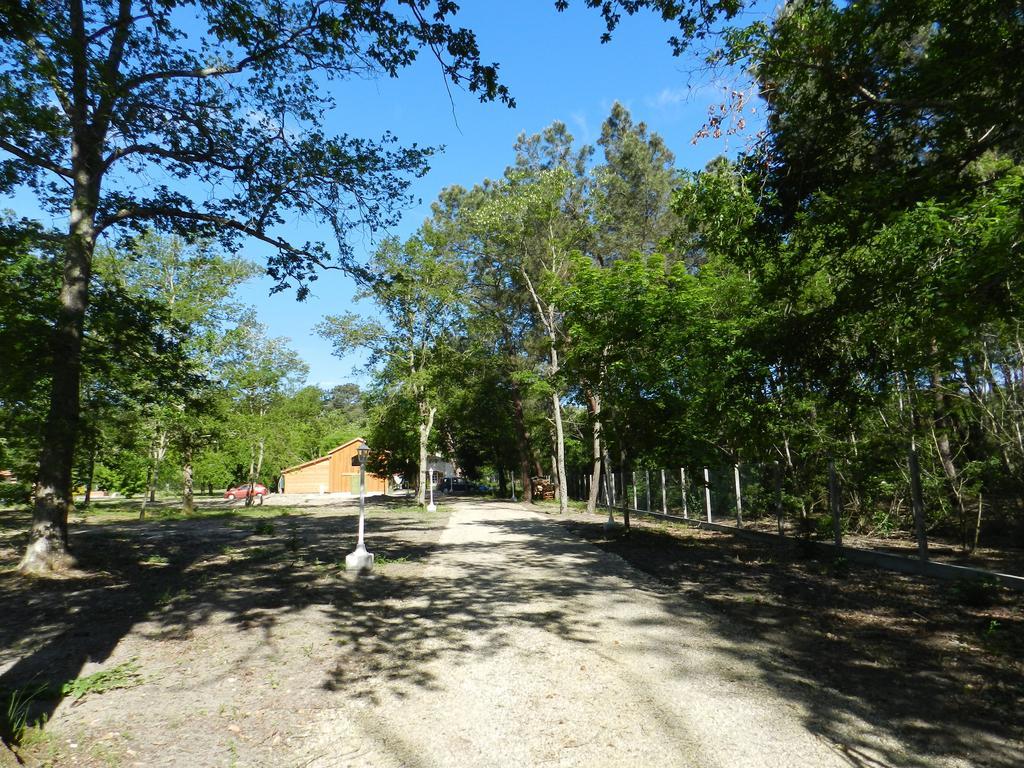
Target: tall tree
417	294
631	211
194	284
632	197
224	97
259	373
524	217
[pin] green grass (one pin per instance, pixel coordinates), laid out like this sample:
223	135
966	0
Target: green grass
385	560
170	596
16	712
155	560
259	553
264	528
19	729
126	675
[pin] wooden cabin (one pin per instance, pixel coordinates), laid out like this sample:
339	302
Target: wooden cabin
335	472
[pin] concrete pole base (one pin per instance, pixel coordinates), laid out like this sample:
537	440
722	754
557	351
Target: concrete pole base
610	524
431	507
359	561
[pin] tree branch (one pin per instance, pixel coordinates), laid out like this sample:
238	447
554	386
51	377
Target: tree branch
50	71
122	21
35	160
184	157
113	63
908	103
206	72
79	67
151	212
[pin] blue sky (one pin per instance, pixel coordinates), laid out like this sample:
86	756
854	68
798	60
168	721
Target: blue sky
557	69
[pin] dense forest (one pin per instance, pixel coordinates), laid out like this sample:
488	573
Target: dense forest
846	290
185	392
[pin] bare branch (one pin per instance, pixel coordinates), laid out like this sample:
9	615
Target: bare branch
908	103
170	74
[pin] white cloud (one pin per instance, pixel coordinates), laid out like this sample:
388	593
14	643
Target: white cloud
669	97
685	94
579	120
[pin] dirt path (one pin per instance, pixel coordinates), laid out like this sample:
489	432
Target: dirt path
528	647
493	637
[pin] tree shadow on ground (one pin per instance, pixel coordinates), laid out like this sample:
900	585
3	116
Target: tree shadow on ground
864	645
847	643
472	606
180	574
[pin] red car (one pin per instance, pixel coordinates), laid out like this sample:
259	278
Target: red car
241	491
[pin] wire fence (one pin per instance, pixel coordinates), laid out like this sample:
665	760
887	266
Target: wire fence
764	497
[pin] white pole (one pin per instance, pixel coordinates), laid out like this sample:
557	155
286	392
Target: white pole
707	492
636	505
359	560
513	485
362	504
739	497
664	499
431	507
647	488
682	491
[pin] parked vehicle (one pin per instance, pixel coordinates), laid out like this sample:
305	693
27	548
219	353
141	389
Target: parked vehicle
241	491
456	485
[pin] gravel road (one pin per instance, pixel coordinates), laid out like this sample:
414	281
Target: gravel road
529	647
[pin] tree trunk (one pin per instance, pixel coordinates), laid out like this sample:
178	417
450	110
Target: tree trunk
145	496
156	455
625	501
188	502
48	539
563	496
259	458
522	443
502	482
609	477
594	407
942	445
556	403
255	467
90	473
427	423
